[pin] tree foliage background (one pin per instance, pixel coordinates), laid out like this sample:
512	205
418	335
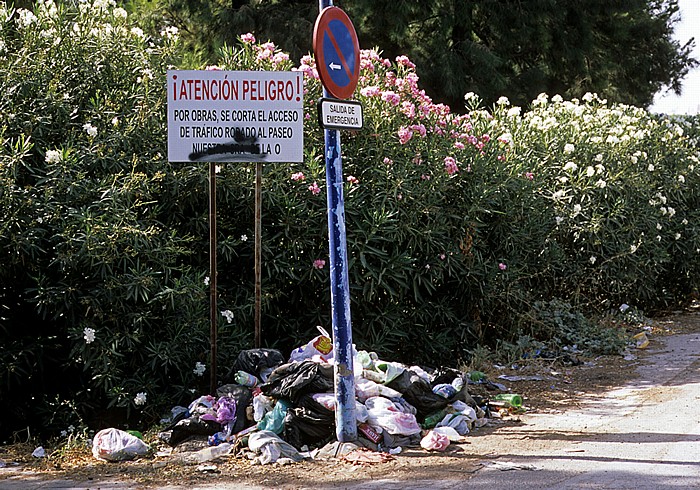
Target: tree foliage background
623	50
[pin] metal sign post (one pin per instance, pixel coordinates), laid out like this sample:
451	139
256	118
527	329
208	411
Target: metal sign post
337	60
213	315
219	116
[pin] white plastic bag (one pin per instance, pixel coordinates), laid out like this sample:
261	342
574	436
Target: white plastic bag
365	388
451	433
383	413
117	445
261	405
271	447
462	420
328	401
320	345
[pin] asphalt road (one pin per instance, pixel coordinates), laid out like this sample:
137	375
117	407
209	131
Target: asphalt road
642	436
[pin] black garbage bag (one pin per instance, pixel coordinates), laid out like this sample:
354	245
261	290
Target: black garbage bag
295	379
186	428
309	424
243	398
419	393
391	441
255	361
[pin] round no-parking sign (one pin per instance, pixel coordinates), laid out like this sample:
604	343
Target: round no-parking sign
337	52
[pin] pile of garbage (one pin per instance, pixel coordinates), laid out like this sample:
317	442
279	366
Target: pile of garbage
283	408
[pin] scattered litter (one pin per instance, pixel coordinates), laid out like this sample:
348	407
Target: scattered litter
39	452
362	456
336	450
641	340
208	468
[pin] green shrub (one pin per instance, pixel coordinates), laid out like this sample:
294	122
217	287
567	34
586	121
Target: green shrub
458	226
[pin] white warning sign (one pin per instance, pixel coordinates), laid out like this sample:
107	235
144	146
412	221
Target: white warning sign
235	116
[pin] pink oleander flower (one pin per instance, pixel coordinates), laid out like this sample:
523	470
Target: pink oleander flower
314	188
459	145
405	134
391	97
501	158
502	266
420	129
403	60
388	161
280	58
408	109
451	166
417	159
425	177
366	64
529	175
353	180
319	263
248	38
371	91
298	176
264	54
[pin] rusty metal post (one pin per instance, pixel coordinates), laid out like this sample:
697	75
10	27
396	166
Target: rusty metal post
258	252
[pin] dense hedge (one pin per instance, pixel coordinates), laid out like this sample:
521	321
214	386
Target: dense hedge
458	227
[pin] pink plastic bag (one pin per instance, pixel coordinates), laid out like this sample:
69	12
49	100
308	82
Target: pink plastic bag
434	441
383	413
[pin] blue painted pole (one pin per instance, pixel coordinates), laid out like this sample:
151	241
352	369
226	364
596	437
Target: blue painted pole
345	421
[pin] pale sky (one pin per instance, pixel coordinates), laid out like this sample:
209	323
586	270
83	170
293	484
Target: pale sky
689	100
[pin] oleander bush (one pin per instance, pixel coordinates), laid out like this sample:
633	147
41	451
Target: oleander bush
465	228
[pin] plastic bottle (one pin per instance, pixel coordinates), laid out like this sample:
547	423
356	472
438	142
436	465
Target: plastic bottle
209	453
510	399
245	379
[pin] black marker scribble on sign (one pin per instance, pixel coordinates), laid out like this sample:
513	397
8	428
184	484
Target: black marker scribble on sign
243	148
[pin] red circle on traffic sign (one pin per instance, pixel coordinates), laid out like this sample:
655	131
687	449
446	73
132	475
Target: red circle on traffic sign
337	52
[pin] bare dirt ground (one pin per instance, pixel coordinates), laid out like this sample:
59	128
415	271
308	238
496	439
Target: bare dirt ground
554	389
